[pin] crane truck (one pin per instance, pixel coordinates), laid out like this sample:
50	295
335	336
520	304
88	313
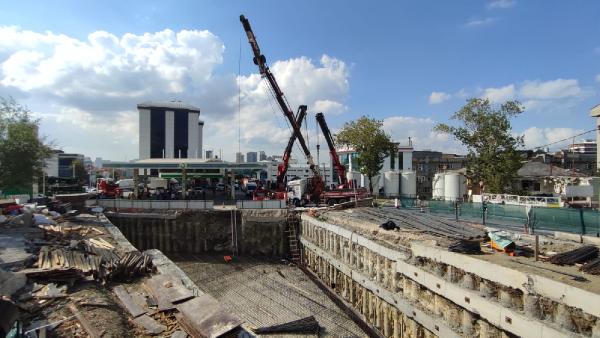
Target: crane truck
302	191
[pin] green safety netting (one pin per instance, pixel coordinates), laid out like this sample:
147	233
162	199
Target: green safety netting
408	202
578	221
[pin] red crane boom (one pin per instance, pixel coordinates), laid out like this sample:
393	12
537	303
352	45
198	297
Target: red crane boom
261	62
341	170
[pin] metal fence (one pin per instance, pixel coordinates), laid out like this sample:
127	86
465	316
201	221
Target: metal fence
266	204
153	204
579	221
182	204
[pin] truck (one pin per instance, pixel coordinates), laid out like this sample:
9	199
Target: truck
106	188
300	193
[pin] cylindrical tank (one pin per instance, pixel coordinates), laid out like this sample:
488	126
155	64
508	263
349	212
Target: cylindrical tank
438	186
408	184
391	183
452	186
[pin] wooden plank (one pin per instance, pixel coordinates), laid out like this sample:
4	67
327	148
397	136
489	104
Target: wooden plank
134	309
169	288
150	325
91	331
203	316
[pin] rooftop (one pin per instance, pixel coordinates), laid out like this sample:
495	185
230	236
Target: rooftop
168	105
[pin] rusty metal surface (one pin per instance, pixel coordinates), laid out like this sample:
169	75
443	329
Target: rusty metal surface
203	316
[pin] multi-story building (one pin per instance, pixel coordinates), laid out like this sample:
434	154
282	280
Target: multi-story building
401	160
62	165
427	163
239	157
584	147
169	130
209	154
252	156
262	156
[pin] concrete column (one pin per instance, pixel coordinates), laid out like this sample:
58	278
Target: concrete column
563	317
467	323
467	282
369	263
386	319
450	276
485	290
596	329
365	302
397	324
170	134
531	306
505	298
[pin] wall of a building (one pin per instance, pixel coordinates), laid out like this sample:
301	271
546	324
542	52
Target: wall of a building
144	133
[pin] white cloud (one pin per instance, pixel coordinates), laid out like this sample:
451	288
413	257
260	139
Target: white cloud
598	78
480	22
420	131
535	137
501	94
89	88
502	4
555	89
438	97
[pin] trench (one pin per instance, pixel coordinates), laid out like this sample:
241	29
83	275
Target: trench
259	285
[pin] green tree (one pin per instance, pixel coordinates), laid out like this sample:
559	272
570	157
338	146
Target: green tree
486	131
22	152
372	144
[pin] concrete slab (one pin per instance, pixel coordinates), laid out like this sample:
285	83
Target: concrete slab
263	292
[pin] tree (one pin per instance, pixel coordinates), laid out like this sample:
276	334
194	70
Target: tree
371	143
22	153
486	131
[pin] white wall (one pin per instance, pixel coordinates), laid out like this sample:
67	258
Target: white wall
144	133
193	131
200	134
169	134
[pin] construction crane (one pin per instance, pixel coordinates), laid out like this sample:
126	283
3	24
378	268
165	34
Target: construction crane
341	170
283	167
261	61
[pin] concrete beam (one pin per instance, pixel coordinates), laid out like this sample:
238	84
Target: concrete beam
397	300
528	283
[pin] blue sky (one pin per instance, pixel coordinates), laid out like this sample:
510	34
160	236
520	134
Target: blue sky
410	63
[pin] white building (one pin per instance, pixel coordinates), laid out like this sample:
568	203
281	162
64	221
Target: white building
298	171
169	130
400	161
61	164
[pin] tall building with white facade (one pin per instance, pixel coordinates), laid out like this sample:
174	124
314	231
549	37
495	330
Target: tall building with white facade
169	129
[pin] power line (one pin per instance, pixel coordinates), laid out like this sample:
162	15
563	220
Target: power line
566	139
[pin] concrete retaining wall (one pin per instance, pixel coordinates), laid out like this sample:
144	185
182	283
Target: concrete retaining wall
440	292
257	232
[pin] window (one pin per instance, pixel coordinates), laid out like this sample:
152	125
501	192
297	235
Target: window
181	134
157	133
401	160
393	160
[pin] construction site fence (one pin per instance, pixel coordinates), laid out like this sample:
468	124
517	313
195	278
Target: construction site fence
152	204
267	204
182	204
579	221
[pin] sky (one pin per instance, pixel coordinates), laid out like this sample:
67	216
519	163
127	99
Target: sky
82	67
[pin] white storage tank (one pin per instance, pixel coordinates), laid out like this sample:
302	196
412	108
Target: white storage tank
438	186
454	186
391	183
408	184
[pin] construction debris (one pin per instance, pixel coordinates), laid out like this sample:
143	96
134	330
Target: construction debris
579	255
471	247
150	325
127	300
167	291
87	326
305	325
592	267
203	316
501	242
389	225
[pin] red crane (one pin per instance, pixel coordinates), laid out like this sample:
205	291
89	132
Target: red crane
341	170
261	61
282	168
